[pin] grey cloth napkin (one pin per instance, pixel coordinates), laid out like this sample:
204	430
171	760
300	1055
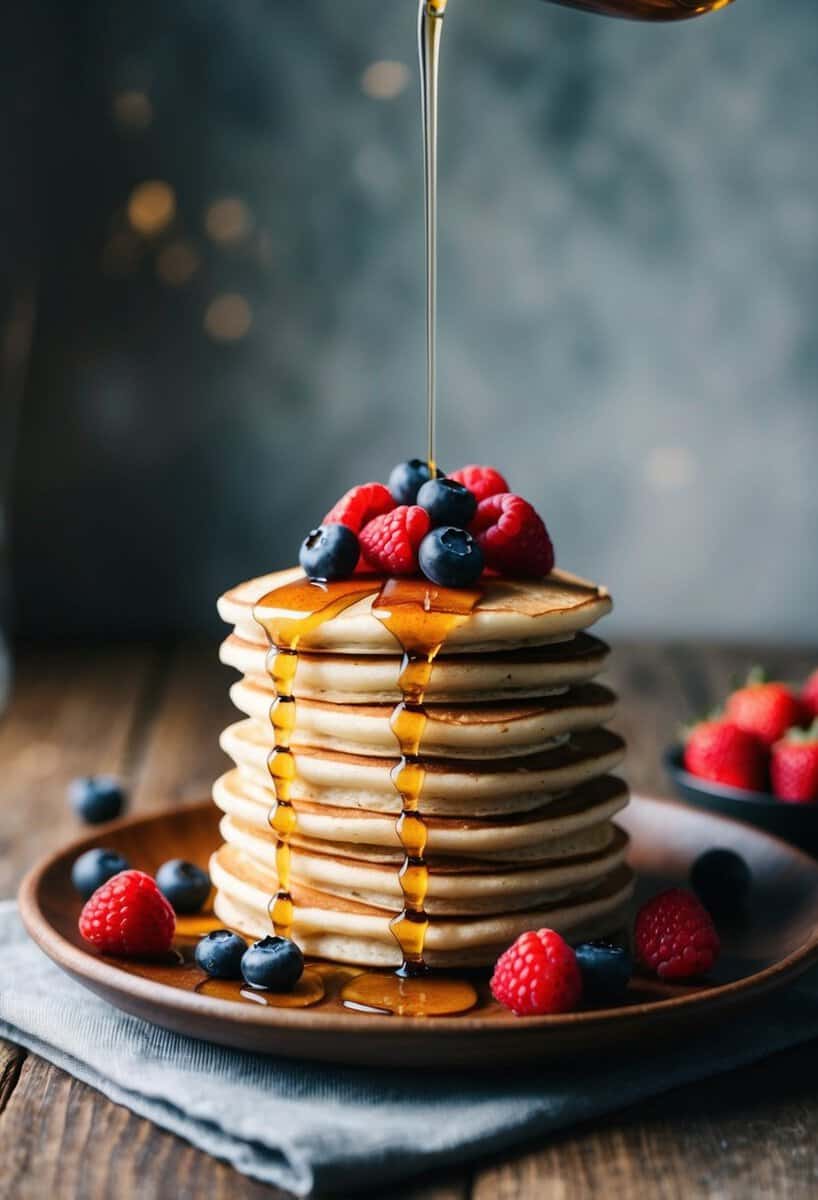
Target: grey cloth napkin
334	1129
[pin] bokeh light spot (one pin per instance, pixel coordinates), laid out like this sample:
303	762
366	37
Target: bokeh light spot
670	468
151	207
228	219
384	80
177	263
133	110
228	317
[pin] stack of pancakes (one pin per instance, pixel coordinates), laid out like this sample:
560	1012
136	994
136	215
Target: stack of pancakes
518	799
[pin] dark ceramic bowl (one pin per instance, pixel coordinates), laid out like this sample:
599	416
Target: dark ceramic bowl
796	823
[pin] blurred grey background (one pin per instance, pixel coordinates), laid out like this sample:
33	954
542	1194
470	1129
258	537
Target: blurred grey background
219	209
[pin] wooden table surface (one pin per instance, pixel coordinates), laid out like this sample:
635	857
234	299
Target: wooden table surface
152	714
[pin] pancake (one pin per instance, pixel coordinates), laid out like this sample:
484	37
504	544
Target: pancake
353	932
466	731
576	822
453	787
514	792
464	888
372	678
348	931
510	614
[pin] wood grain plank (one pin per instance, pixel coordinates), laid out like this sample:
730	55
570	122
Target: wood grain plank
11	1063
710	671
180	755
651	705
750	1133
451	1185
61	1139
73	712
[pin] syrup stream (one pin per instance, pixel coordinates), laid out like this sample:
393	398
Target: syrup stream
430	30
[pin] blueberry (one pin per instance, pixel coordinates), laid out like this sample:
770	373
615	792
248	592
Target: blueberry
96	798
95	867
722	881
219	954
447	502
606	968
275	964
450	557
184	884
329	552
407	478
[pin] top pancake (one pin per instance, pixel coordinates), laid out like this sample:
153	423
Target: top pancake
510	615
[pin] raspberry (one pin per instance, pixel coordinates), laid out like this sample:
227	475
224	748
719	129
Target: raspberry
675	936
390	542
481	481
538	974
512	536
359	506
128	915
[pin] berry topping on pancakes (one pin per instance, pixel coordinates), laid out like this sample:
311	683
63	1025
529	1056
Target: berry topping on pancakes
390	542
512	536
359	506
482	482
478	523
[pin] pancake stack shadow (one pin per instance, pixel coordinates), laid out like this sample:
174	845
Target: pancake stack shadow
518	799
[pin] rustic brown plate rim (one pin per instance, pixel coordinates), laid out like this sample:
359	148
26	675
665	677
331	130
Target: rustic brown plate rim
88	968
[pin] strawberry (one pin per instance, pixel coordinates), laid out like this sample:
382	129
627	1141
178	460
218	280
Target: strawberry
128	915
765	709
481	481
794	766
809	695
721	752
512	536
359	506
390	542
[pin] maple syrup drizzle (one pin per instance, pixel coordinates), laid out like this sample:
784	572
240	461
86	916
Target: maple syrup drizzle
420	616
430	31
303	606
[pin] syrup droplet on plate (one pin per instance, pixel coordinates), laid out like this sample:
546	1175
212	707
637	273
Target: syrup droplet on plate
308	991
415	996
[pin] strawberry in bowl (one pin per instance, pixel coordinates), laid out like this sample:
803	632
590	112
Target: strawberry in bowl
756	759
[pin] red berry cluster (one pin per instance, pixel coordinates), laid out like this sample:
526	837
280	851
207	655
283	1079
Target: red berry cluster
540	974
766	737
383	529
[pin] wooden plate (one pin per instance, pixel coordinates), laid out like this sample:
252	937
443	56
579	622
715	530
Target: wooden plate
777	940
